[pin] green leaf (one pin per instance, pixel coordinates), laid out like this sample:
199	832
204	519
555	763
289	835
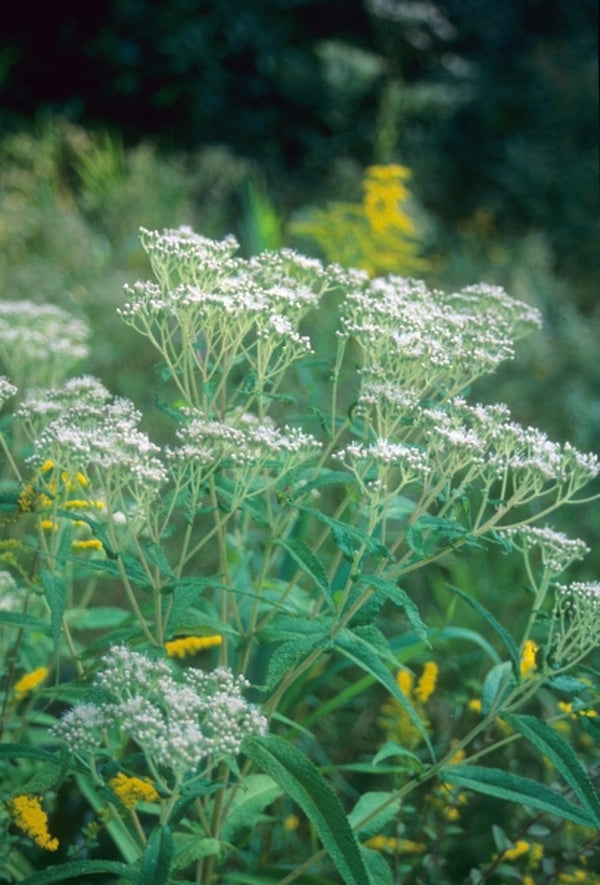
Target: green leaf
28	622
377	867
194	848
309	563
98	618
185	593
368	817
56	596
561	754
156	555
256	792
24	751
349	538
158	856
496	685
431	533
368	658
75	869
301	780
285	656
400	598
514	788
391	748
504	635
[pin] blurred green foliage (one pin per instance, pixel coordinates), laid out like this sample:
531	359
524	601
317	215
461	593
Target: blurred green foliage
492	105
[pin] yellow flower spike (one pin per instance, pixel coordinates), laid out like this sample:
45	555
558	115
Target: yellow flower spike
30	817
518	850
426	685
404	680
30	681
89	544
528	658
131	790
189	645
49	525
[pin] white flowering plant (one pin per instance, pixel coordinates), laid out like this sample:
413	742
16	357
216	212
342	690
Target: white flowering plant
193	617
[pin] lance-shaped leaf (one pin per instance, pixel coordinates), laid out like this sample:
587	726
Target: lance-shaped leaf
561	754
370	657
303	782
515	788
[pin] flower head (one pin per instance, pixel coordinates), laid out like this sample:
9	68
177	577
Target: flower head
29	815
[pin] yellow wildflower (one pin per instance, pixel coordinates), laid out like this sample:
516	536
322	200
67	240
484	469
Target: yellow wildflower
427	682
49	525
29	681
189	645
380	842
89	544
404	680
518	850
82	504
32	819
131	790
528	662
291	822
474	705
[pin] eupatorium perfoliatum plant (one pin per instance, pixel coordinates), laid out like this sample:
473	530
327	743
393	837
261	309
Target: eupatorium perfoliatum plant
222	647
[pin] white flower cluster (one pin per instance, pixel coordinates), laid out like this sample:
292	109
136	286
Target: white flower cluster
82	430
428	342
576	620
486	440
410	461
177	722
557	550
213	306
40	341
247	440
6	390
81	398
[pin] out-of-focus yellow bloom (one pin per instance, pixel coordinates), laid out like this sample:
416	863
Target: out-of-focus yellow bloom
377	235
528	661
189	645
30	681
89	544
427	681
49	525
291	822
131	790
29	815
474	705
404	681
397	846
518	850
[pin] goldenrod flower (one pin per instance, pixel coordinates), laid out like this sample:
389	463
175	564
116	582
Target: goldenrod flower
89	544
398	846
131	790
518	850
404	680
32	819
427	682
189	645
29	681
528	661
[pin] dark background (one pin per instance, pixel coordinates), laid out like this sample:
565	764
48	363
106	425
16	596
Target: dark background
492	104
